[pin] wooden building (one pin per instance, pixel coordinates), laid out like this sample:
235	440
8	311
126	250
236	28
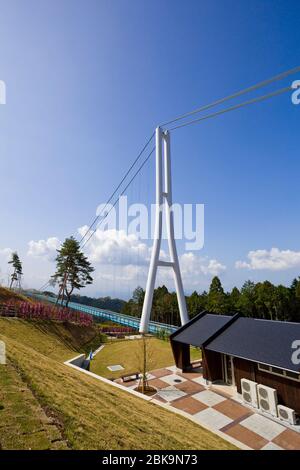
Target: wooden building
234	347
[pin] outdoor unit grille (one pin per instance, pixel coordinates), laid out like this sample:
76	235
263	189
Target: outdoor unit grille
286	414
267	399
249	392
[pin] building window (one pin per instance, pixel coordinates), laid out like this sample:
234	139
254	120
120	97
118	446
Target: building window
277	371
264	367
292	375
280	372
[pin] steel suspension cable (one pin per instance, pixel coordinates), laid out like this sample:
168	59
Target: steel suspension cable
233	108
117	200
118	187
235	95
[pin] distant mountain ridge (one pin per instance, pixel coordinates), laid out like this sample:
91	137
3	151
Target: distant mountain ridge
107	303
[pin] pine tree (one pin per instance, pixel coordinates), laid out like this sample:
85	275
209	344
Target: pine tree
234	300
217	300
17	269
138	296
195	303
246	302
73	269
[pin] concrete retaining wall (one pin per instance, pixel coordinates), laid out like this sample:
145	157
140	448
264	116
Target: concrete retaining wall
2	353
80	361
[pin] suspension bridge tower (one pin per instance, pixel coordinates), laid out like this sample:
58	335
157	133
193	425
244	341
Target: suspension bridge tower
163	201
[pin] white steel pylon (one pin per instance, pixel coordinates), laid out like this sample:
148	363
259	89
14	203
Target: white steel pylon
163	199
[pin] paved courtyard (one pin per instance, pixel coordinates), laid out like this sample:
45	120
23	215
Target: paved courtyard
219	411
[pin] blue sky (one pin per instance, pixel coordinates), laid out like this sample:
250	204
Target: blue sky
87	82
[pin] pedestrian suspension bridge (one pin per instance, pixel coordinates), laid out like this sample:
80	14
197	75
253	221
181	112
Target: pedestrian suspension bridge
133	253
126	320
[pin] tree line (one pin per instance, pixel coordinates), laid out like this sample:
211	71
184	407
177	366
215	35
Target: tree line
106	303
257	300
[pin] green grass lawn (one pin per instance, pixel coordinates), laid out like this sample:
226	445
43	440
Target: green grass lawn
23	423
45	404
128	354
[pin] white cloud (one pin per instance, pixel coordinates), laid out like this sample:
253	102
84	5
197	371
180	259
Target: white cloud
116	247
273	260
196	271
44	248
6	253
121	262
122	275
214	267
5	256
194	265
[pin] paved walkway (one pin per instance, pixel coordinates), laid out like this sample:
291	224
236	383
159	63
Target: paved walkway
218	411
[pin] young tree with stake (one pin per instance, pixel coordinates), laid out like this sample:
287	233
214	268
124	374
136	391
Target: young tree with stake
145	361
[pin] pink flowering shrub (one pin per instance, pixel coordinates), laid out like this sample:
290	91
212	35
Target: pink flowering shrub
40	311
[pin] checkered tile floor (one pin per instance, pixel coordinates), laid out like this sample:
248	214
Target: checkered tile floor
186	392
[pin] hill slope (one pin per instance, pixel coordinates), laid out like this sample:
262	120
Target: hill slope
66	409
7	295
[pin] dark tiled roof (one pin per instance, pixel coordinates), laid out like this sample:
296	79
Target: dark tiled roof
265	341
200	329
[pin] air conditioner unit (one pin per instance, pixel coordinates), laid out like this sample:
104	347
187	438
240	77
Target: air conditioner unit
286	414
267	399
249	392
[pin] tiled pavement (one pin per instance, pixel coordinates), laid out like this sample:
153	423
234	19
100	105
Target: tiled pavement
217	411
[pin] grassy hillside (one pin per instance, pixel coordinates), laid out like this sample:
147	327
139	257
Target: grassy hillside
23	422
59	341
7	295
48	405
